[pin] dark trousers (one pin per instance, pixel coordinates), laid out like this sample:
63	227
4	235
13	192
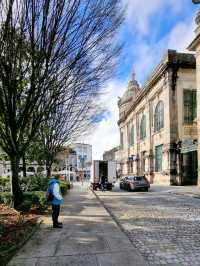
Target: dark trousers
55	213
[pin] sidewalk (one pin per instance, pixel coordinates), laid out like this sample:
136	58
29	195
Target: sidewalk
89	237
191	191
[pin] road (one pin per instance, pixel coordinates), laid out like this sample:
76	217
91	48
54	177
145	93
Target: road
163	224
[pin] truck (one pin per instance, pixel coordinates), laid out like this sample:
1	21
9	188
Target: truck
103	171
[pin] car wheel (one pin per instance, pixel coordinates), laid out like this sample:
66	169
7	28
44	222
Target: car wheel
146	189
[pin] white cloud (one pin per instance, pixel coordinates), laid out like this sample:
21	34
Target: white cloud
144	54
106	135
148	55
181	35
139	13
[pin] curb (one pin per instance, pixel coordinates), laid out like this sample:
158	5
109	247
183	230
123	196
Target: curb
118	224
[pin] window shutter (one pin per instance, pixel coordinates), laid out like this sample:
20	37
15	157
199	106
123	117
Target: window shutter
194	104
158	158
190	105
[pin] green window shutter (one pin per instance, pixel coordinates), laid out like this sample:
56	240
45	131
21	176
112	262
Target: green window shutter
194	104
132	135
190	105
159	116
158	158
121	140
186	106
143	127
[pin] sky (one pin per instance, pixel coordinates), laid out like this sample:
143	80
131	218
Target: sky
150	28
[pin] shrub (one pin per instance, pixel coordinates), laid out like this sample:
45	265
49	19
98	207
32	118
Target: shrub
25	206
34	183
38	198
5	197
63	187
4	180
4	183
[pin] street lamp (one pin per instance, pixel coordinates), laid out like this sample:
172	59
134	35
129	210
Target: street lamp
196	1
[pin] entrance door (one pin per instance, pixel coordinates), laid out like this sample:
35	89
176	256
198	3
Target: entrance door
189	168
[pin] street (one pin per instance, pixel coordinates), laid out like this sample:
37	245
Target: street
119	228
162	224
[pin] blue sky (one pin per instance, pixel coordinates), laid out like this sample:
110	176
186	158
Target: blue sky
151	27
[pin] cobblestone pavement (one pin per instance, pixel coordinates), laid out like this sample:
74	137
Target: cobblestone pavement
163	226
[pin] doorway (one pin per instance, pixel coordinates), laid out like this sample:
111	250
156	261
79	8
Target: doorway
103	171
189	168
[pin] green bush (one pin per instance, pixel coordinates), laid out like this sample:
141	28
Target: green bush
4	180
34	183
25	206
37	198
64	187
4	183
5	197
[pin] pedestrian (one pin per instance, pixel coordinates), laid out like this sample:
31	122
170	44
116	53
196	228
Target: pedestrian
102	184
54	186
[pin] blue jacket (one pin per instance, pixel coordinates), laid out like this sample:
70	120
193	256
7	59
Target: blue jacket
55	188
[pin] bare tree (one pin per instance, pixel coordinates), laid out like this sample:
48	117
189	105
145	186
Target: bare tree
50	50
67	122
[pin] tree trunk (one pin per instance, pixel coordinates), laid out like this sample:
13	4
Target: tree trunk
24	165
48	168
48	171
16	191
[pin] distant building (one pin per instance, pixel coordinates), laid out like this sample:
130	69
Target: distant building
111	155
158	123
81	160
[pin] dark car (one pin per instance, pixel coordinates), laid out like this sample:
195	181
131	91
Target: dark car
122	182
134	183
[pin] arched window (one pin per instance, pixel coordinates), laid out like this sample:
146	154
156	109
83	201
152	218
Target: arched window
159	116
132	135
143	127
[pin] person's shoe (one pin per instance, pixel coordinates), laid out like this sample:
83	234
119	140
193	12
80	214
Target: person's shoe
57	226
60	223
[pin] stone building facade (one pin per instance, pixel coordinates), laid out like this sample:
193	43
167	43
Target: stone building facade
195	46
111	155
158	126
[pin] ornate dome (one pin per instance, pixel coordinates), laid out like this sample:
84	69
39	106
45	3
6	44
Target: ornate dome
132	90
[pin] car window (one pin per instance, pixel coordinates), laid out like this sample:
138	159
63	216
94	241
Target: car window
139	178
130	177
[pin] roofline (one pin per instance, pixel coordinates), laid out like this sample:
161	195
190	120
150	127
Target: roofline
169	60
194	43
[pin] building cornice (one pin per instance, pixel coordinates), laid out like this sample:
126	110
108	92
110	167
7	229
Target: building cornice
171	60
194	43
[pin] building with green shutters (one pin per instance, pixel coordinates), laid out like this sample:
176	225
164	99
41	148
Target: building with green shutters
158	123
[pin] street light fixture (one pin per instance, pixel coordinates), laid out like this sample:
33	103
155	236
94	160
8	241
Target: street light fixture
196	1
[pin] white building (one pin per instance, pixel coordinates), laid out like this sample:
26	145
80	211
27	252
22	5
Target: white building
81	158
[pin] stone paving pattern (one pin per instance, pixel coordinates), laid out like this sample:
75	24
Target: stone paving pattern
89	238
163	225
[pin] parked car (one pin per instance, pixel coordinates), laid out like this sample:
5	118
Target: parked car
133	183
122	182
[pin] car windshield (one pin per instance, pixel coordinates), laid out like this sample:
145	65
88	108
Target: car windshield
131	178
139	178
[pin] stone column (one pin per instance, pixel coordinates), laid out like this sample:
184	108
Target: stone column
195	46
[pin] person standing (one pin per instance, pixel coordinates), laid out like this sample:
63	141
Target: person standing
102	183
56	201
